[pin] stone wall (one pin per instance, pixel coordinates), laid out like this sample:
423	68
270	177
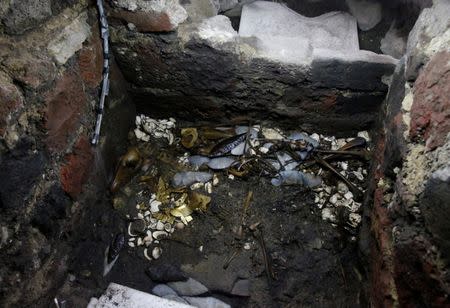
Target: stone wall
203	70
50	69
409	209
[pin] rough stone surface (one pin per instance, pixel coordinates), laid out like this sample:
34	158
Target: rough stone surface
367	13
153	16
430	34
70	40
11	100
286	36
207	81
75	171
393	43
25	15
65	104
409	250
430	112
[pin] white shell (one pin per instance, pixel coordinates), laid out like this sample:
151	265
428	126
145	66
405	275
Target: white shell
160	226
159	235
208	187
156	252
168	227
146	255
140	242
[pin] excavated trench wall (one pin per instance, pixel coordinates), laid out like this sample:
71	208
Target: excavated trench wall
51	178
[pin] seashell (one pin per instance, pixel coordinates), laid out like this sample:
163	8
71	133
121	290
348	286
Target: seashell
132	228
358	175
154	206
215	180
247	246
115	247
140	241
292	177
138	120
156	253
198	160
146	254
168	227
159	226
159	235
140	216
170	138
188	178
147	213
328	215
239	149
334	199
131	244
342	188
221	163
348	195
196	186
152	225
244	129
315	136
208	187
272	134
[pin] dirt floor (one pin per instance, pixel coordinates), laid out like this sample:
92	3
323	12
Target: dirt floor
314	262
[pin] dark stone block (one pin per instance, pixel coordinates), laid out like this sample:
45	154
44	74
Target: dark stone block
435	206
49	210
24	15
19	172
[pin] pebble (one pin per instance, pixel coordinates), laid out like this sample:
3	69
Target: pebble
160	226
358	175
190	287
247	246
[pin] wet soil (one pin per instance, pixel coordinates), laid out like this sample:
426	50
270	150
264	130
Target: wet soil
314	262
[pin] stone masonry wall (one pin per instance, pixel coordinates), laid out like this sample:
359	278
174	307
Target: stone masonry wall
409	209
50	69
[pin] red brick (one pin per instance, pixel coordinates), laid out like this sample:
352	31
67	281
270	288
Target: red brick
430	112
65	105
11	100
146	21
90	60
76	169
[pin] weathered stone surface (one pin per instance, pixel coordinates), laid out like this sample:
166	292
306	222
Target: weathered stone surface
393	43
26	14
65	104
151	16
32	70
201	9
368	13
430	112
77	167
430	34
286	36
70	39
11	100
